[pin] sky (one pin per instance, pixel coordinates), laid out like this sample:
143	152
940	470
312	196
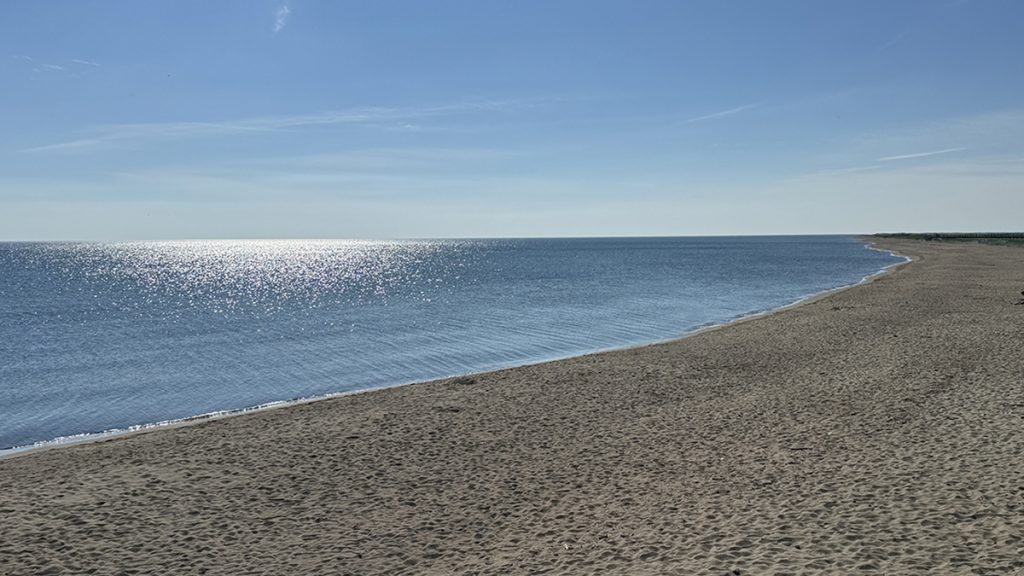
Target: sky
126	120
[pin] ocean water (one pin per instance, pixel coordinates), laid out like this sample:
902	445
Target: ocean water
95	337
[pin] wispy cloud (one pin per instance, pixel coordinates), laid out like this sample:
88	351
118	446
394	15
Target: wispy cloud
994	130
723	113
80	145
898	38
385	118
842	171
281	17
920	154
72	68
389	160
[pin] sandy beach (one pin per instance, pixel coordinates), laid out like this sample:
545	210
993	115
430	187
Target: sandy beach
879	429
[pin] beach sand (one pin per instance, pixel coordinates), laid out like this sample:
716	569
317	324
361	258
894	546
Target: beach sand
878	429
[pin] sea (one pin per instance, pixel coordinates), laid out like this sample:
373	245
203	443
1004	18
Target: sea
98	338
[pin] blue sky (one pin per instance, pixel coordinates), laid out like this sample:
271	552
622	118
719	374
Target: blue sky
476	118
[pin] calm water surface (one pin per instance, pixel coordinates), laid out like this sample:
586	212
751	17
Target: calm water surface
103	336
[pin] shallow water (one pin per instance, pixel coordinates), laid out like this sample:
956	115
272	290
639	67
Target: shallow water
102	336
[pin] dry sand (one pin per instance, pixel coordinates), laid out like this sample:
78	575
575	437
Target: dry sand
877	430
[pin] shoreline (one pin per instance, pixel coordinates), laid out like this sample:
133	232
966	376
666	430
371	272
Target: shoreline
871	430
114	433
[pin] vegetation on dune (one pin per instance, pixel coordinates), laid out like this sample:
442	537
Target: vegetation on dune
999	238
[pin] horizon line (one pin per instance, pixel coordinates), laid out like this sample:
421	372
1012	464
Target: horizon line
436	238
